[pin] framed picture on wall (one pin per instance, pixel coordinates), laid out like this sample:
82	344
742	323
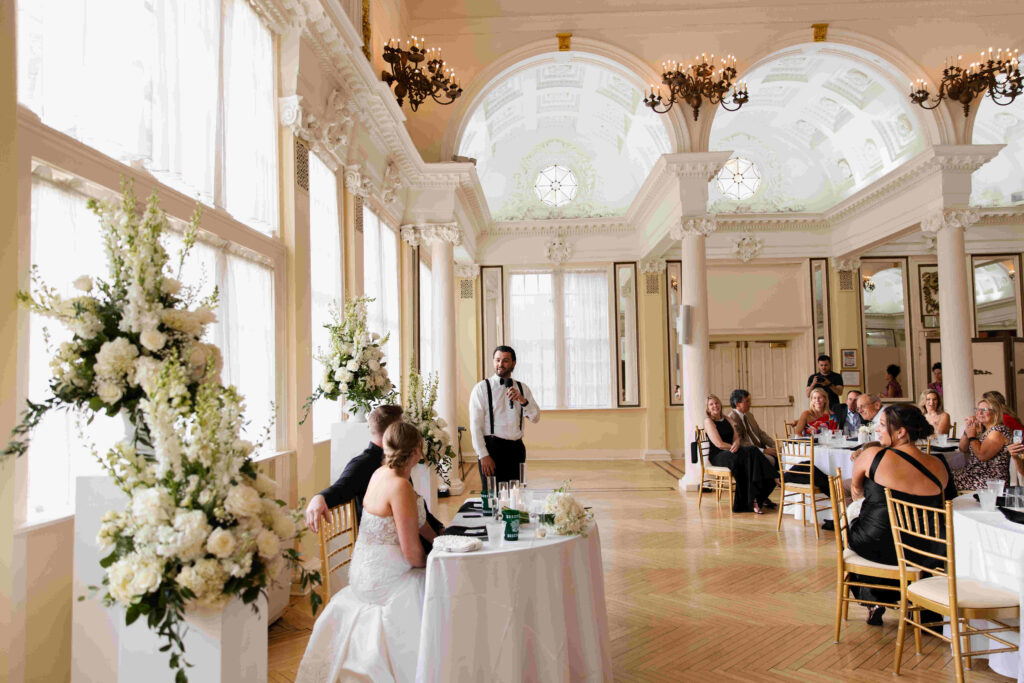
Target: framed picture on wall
929	281
851	378
849	358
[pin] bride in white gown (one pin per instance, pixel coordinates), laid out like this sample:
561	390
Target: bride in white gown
370	630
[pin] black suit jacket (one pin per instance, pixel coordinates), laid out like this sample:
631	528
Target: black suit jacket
841	411
353	482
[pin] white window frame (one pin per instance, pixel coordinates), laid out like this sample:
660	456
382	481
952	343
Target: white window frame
558	294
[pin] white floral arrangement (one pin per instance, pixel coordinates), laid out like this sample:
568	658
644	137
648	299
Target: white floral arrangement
354	365
123	327
202	526
569	516
419	410
866	429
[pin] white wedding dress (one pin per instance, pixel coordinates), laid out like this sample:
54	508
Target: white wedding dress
370	630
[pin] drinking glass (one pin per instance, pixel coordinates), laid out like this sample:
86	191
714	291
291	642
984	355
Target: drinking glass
1018	436
522	474
494	532
491	484
995	485
987	498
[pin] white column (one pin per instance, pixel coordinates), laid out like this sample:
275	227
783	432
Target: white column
694	298
442	240
954	309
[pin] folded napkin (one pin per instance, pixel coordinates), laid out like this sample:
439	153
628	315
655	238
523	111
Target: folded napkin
456	530
457	544
471	506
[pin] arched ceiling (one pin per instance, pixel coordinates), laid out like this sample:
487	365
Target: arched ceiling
823	121
577	110
1000	182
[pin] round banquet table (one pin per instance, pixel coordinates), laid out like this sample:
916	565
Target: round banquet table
990	548
526	610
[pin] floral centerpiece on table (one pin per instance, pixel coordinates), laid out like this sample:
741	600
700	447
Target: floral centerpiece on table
566	513
201	526
419	410
354	366
125	326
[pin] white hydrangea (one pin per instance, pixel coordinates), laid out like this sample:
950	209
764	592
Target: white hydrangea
185	538
284	525
352	366
83	283
205	578
147	370
243	501
116	358
150	506
237	566
268	543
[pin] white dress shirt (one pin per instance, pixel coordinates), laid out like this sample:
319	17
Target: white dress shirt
506	420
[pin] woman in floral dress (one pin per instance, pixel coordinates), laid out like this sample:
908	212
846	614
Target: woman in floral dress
984	441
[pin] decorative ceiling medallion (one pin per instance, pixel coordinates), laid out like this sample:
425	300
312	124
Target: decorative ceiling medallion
558	250
556	186
748	247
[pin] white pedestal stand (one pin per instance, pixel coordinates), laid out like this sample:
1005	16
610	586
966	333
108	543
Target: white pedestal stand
224	646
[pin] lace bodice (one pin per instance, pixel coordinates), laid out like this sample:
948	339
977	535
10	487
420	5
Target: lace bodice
377	560
376	530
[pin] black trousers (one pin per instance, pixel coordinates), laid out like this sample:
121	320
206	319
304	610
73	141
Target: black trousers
507	456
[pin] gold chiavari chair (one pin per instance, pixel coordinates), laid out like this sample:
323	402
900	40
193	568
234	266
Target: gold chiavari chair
957	599
848	562
796	456
718	479
952	431
341	520
789	428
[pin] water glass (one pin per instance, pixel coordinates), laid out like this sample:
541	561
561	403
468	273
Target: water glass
995	485
522	474
495	531
987	498
491	485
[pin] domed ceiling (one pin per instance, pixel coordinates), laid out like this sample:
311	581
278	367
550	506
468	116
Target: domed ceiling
580	112
1000	182
823	121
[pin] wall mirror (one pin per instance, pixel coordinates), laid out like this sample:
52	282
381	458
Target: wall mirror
626	342
492	314
884	310
819	306
674	313
996	295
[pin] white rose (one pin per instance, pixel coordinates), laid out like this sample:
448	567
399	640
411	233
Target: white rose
146	577
83	283
150	506
268	543
243	501
153	339
109	392
343	388
329	387
119	578
339	374
263	484
284	525
220	542
352	365
170	286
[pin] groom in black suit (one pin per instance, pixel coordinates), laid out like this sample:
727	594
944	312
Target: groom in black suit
355	479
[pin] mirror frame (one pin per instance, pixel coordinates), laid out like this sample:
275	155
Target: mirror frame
485	353
620	378
907	367
669	317
1017	290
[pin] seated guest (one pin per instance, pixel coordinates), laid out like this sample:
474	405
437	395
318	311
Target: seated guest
817	415
755	477
893	389
931	405
846	414
1011	421
984	442
746	427
936	383
912	476
370	630
868	406
356	477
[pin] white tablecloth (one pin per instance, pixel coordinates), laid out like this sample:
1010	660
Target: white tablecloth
527	610
991	548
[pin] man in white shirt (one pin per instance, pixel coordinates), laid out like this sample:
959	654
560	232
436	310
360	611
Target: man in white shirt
497	407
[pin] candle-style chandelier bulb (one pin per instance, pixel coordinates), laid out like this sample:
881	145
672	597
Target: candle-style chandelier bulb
694	83
418	72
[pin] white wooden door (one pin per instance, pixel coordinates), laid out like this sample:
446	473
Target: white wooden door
761	367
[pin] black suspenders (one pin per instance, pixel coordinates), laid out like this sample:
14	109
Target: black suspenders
490	405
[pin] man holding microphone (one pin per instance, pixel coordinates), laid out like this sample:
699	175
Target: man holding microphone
497	407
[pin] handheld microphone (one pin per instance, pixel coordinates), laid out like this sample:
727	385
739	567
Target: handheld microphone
507	382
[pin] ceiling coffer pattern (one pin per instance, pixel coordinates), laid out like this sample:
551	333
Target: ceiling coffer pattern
823	121
579	111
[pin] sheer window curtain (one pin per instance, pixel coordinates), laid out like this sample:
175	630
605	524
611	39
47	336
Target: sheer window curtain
66	243
532	333
324	278
426	357
380	282
587	346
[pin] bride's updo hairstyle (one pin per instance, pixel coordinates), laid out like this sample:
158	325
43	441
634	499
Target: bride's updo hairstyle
909	417
400	440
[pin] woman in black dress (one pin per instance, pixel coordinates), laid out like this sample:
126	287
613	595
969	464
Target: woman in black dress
754	474
911	475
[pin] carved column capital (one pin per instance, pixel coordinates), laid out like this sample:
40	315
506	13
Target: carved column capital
356	182
847	264
419	234
694	225
949	218
467	271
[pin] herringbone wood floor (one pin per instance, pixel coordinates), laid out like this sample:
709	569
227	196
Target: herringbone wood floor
702	595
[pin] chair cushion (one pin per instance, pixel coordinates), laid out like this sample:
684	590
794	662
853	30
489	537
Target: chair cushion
854	560
718	470
970	593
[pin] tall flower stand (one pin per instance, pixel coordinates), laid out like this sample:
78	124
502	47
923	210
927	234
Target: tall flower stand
224	646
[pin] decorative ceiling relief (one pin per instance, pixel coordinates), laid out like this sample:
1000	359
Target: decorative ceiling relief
748	247
827	121
1000	182
578	111
558	250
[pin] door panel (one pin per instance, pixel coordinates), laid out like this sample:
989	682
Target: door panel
761	367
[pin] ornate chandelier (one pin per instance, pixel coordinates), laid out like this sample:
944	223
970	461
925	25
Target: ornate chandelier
998	73
694	83
411	78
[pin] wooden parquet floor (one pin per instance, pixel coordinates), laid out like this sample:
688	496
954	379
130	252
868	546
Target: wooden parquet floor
702	595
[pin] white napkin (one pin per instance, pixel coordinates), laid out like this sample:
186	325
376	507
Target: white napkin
457	544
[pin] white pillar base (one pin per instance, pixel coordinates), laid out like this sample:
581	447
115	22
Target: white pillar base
456	487
654	455
687	487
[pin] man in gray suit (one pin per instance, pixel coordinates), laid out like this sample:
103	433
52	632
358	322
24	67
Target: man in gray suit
744	424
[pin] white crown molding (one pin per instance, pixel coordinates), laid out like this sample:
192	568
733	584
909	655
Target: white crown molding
466	271
569	226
